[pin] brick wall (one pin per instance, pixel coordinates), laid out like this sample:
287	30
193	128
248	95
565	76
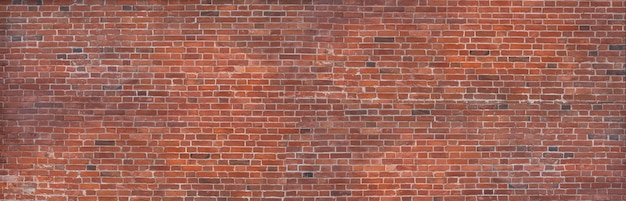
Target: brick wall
312	100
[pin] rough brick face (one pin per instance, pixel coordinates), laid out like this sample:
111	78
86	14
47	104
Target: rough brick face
303	100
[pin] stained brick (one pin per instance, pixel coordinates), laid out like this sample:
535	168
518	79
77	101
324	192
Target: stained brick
200	156
50	105
109	174
384	39
485	148
274	13
389	70
502	106
340	193
617	47
518	59
210	13
420	112
355	112
479	52
105	142
286	56
616	72
518	185
114	112
488	77
209	181
239	162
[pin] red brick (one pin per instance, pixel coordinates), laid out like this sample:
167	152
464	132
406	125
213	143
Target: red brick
312	99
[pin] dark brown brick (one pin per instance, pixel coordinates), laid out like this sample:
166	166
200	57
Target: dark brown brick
479	52
200	156
209	181
617	47
340	193
105	142
355	112
488	77
210	13
384	39
518	59
389	70
114	112
616	72
485	148
239	162
518	185
274	13
109	174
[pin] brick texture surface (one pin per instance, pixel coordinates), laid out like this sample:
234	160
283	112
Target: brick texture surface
312	100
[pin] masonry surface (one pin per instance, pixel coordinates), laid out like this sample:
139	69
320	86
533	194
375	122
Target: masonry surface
312	100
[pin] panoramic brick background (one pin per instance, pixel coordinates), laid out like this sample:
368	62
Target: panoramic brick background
312	100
